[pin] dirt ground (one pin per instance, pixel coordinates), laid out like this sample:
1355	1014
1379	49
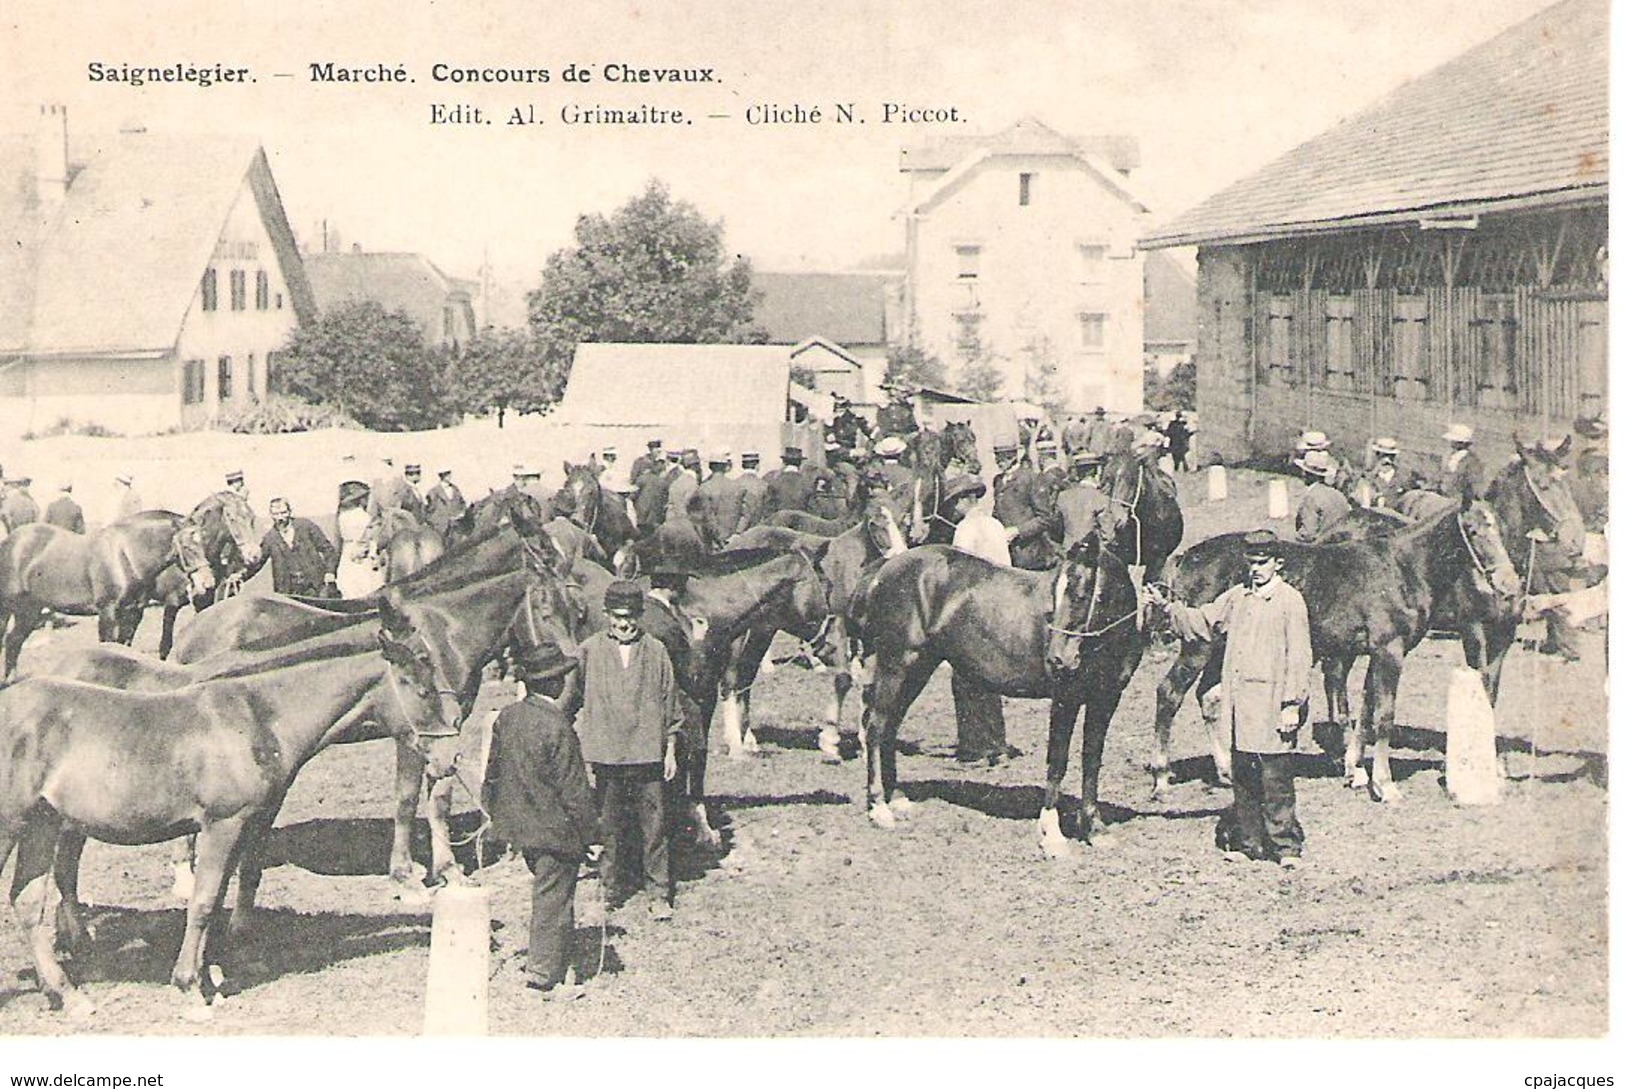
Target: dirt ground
1421	919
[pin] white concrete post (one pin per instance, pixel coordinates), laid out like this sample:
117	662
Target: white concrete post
1469	763
1218	484
458	991
1278	500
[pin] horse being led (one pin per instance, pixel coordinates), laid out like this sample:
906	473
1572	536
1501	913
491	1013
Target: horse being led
1069	636
589	504
215	545
110	573
1374	598
215	758
1145	505
934	456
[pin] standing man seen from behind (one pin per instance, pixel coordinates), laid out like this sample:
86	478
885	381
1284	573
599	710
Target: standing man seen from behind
720	503
978	714
1179	442
444	504
1264	693
1323	506
628	724
1461	473
303	561
128	502
752	489
540	801
64	513
18	508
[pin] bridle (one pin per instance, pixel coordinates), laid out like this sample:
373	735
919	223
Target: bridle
1088	632
1481	567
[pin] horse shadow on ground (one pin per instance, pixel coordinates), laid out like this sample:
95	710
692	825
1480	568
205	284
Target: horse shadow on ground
806	739
360	846
1430	745
134	945
1023	803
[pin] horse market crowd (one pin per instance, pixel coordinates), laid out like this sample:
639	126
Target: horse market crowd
671	572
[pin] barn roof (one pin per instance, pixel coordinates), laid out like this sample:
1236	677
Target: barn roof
114	267
1519	120
676	384
847	308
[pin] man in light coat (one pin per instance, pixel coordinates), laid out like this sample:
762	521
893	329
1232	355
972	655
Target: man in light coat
1264	698
978	714
1323	506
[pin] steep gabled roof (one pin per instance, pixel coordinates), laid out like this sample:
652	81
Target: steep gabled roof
847	308
1522	118
1170	301
397	281
676	385
113	269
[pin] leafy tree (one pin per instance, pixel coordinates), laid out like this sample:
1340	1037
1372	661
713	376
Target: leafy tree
979	377
1176	391
1042	380
370	364
503	370
915	366
654	271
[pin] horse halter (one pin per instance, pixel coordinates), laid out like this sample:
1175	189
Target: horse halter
1094	603
419	653
1554	519
1481	568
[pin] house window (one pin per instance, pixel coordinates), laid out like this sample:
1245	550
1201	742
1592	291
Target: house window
239	289
1340	358
970	261
224	375
250	387
1092	328
192	382
211	290
279	300
1026	190
262	290
1091	264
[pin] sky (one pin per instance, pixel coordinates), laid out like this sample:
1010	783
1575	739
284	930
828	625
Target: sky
1212	90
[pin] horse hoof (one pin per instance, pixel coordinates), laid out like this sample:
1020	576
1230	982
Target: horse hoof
1054	845
411	895
901	807
77	1007
1102	840
881	816
1357	779
1386	792
197	1015
1159	789
751	745
181	888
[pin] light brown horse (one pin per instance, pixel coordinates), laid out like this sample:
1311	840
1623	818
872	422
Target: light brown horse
215	758
110	574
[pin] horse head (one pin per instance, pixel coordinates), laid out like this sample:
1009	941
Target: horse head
1492	565
524	512
884	516
192	556
1076	600
1540	497
960	442
423	703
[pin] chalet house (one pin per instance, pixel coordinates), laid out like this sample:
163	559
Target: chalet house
441	305
146	281
1440	257
853	313
1020	250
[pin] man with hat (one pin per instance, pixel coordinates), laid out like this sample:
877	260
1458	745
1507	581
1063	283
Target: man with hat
897	414
788	488
628	723
683	487
615	475
63	513
391	494
1097	432
17	507
444	504
652	462
653	489
1179	434
1323	506
236	483
1081	507
303	561
1461	473
1590	481
752	489
414	476
1384	483
978	714
128	503
540	801
848	428
1264	698
888	462
1023	505
719	503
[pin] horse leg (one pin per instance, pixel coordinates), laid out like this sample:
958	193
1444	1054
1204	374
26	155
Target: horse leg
216	854
705	832
251	867
894	690
731	695
1063	717
25	617
829	735
1170	695
166	639
1334	676
1105	688
33	891
1381	688
1211	701
443	868
72	932
181	852
408	785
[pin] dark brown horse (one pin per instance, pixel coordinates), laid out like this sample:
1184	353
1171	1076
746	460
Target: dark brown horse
1145	506
216	546
589	504
1374	598
934	456
111	573
1069	636
215	758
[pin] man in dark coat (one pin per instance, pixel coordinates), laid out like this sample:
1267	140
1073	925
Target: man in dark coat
1179	442
718	502
1022	503
752	490
303	561
444	504
1461	473
790	488
650	500
537	794
64	513
897	415
654	462
18	508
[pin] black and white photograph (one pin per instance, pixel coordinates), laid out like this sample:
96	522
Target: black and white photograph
1079	521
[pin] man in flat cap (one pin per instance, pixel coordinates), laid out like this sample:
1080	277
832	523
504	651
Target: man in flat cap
629	722
1264	694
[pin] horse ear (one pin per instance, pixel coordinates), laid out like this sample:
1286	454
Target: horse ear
568	468
1517	443
1562	450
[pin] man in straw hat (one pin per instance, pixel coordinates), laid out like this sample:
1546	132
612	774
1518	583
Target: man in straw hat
1461	472
1264	694
1323	506
1384	484
629	722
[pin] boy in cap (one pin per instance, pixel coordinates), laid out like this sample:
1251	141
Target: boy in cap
628	724
540	801
1264	693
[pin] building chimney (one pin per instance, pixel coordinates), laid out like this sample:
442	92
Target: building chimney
51	157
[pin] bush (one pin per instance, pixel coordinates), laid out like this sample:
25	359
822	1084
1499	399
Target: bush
66	426
280	414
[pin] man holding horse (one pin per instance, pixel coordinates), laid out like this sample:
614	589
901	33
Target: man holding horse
888	462
303	561
978	713
1081	506
1461	471
1264	689
444	504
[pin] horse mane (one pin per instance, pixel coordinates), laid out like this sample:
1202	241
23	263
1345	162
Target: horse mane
446	571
